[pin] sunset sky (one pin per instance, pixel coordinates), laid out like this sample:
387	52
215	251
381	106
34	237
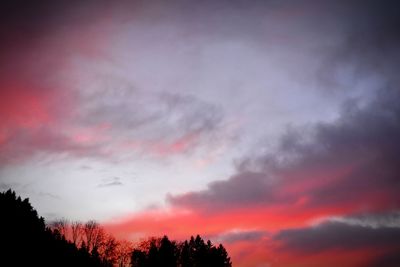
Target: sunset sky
270	126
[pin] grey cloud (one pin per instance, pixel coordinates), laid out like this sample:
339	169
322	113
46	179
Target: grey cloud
368	38
387	259
142	112
149	119
197	115
364	141
335	235
25	144
238	236
115	181
145	119
373	220
247	188
356	157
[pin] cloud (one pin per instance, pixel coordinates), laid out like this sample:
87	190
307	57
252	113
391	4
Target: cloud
340	243
240	236
337	236
115	181
48	94
353	161
24	144
105	123
351	243
244	189
389	259
372	220
151	123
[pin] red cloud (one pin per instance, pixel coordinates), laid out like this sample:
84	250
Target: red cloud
23	108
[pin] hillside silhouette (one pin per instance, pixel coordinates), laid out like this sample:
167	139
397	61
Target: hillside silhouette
27	241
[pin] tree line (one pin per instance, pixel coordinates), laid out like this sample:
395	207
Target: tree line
193	253
91	237
27	241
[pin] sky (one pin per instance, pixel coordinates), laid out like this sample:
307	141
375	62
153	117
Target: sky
269	126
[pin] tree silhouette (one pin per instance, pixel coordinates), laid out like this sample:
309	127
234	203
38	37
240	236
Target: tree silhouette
26	241
61	225
123	251
167	252
192	253
76	232
185	259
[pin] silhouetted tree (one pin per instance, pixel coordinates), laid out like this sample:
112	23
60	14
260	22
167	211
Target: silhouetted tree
108	250
25	240
168	252
185	259
92	237
76	232
139	258
61	225
192	253
123	251
90	230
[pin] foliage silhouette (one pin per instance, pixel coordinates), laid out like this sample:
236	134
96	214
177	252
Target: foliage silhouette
26	241
192	253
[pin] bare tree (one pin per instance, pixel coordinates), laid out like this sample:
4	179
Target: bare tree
76	232
98	238
60	225
94	235
108	250
89	232
124	250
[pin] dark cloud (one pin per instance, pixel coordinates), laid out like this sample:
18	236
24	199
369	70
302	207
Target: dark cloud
334	235
388	259
40	34
371	40
246	188
238	236
355	159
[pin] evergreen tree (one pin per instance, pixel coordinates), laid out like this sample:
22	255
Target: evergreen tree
193	253
25	240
